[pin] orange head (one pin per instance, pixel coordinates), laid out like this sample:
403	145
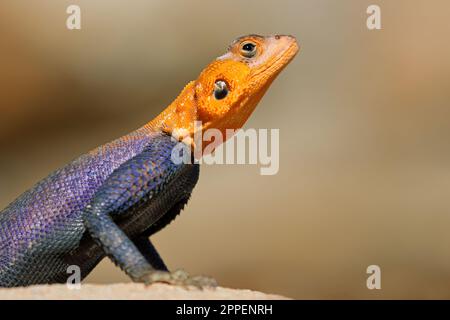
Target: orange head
228	89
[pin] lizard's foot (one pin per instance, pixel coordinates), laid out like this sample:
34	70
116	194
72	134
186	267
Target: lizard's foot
179	278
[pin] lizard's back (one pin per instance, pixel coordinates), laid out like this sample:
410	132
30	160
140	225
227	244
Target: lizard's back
41	217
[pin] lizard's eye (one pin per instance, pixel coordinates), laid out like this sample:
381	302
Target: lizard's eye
220	89
248	49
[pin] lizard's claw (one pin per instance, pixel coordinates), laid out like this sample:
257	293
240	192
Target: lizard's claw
179	278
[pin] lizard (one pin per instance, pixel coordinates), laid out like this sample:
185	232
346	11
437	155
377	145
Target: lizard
109	201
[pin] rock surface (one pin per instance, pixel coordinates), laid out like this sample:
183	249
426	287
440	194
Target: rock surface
131	291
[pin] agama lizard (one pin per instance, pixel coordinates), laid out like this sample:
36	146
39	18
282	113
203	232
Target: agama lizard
109	201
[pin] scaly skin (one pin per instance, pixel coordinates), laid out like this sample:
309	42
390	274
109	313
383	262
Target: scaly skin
110	200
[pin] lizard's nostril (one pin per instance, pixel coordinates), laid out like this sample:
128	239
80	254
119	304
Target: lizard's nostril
279	36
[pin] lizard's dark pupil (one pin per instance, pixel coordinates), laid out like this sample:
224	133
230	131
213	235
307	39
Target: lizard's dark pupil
220	90
248	47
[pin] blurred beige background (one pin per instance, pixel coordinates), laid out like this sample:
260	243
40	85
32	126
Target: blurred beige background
364	120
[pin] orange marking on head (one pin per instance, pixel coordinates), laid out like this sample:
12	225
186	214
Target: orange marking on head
228	89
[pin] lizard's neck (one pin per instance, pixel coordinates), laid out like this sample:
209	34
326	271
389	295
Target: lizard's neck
179	115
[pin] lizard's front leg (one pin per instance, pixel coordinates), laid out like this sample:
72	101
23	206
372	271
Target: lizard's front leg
150	177
150	253
139	266
162	274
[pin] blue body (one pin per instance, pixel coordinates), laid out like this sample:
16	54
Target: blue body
45	223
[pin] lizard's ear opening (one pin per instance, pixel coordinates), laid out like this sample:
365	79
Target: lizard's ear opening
220	89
